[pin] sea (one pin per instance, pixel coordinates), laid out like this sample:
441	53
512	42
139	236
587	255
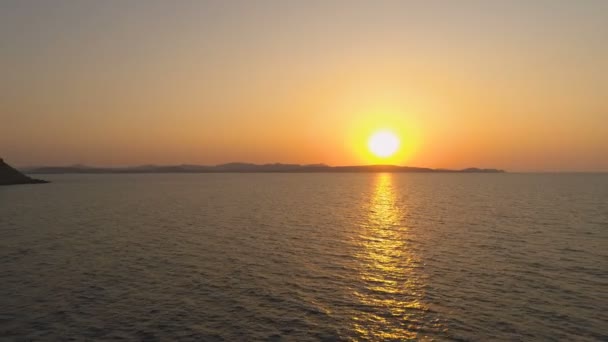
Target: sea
305	257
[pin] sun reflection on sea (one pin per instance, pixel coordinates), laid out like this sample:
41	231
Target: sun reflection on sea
390	299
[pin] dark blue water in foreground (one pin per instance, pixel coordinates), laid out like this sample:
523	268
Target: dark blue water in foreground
294	257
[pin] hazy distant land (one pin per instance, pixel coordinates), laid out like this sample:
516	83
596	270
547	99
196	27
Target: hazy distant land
247	168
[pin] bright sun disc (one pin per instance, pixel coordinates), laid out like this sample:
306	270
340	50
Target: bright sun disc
383	144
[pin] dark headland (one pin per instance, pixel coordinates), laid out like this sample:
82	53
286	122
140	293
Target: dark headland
250	168
10	176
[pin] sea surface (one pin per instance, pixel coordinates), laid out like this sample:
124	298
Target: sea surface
305	257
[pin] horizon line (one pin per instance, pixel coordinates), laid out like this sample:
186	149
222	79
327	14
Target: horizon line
319	164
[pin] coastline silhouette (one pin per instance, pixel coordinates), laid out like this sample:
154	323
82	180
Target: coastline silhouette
10	176
250	168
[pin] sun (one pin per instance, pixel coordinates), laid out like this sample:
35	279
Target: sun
383	144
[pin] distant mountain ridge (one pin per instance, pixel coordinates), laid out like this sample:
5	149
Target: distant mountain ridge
239	167
10	176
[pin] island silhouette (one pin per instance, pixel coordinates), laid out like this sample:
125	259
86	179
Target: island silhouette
10	176
239	167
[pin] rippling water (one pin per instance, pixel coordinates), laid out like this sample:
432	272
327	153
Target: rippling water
241	257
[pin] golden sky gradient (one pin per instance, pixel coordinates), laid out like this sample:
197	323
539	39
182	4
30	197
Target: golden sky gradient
517	85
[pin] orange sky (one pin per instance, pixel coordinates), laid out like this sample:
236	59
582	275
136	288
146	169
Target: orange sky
511	85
